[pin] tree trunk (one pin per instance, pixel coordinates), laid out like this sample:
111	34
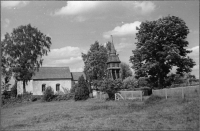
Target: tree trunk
24	87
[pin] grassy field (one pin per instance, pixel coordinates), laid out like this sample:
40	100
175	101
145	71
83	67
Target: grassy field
153	113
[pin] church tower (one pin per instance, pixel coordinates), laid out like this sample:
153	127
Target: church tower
113	67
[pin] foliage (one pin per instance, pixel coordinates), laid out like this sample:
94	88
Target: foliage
64	97
161	45
177	79
34	99
74	86
5	86
95	62
111	87
130	83
143	82
14	90
6	94
6	64
97	84
82	91
48	94
23	50
125	70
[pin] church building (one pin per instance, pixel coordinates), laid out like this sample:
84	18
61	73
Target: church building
60	79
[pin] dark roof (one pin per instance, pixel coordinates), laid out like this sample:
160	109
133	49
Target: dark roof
53	73
76	75
113	57
112	50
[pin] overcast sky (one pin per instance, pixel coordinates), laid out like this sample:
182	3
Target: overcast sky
73	26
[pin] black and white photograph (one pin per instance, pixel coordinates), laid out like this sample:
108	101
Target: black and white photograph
100	65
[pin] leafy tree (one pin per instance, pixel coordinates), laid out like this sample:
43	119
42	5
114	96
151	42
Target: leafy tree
95	62
74	86
23	49
81	91
161	45
142	82
111	87
125	70
6	64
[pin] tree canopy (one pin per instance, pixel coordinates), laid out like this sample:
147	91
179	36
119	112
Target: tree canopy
23	49
95	62
125	70
161	44
81	91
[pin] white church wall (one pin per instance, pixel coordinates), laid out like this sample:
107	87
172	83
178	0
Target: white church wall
29	87
65	85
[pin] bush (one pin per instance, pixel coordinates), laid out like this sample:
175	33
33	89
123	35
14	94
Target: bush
33	99
48	94
143	82
68	96
130	83
81	91
14	90
6	94
111	87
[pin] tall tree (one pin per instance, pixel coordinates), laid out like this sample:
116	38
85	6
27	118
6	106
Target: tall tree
161	45
24	48
6	64
95	62
125	70
81	91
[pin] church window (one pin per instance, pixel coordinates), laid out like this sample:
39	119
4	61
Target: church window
57	87
43	87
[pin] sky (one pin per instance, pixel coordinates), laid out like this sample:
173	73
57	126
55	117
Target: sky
74	25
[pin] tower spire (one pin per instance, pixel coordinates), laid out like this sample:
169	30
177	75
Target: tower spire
113	51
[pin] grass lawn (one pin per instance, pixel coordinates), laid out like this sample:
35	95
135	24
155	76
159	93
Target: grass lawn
93	114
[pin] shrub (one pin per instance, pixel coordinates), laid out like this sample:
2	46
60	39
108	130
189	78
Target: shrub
34	99
26	96
14	90
111	87
142	82
64	97
81	91
6	94
130	83
48	94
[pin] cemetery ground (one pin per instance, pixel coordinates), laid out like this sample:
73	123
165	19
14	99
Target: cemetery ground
94	114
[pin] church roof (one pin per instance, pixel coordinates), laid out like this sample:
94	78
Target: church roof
76	75
53	73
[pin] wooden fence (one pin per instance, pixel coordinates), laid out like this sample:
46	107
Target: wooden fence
177	92
124	95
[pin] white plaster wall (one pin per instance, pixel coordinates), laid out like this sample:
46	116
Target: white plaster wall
65	85
29	87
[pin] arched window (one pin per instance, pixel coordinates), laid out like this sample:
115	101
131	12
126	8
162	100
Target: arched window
57	87
43	87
